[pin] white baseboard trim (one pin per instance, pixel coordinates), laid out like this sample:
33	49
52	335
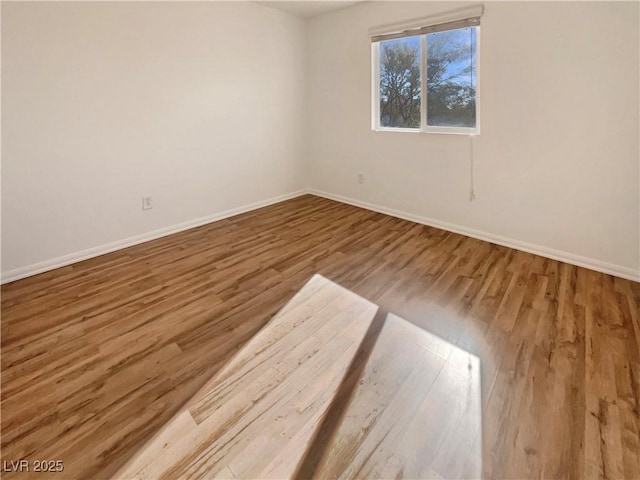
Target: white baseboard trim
65	260
597	265
580	261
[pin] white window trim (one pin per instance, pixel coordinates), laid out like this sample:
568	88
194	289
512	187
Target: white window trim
424	128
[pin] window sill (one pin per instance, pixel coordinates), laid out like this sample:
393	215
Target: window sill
445	130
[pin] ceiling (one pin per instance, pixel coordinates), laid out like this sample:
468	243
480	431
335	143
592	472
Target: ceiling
308	9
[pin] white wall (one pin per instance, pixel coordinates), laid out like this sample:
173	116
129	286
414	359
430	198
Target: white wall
557	161
200	105
210	107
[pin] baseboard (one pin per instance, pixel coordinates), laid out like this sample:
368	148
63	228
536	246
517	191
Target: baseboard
597	265
65	260
580	261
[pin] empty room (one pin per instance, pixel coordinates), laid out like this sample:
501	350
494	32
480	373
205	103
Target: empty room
320	239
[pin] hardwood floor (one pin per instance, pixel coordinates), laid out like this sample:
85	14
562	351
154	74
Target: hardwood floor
257	417
414	410
97	356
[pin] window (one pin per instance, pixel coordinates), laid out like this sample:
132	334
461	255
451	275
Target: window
400	87
427	82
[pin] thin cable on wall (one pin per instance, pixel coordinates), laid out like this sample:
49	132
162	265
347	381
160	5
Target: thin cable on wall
472	195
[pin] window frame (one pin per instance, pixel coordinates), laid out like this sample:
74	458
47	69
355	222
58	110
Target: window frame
424	128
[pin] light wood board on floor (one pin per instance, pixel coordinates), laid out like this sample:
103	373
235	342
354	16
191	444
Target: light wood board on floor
259	414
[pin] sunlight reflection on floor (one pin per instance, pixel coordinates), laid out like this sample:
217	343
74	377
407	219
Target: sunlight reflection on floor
415	412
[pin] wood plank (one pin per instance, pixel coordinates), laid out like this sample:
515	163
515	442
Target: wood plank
414	413
257	417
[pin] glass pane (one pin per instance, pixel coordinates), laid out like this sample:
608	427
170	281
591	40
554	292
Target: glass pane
400	83
451	78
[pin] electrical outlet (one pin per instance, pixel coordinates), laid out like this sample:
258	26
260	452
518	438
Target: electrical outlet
361	178
147	203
